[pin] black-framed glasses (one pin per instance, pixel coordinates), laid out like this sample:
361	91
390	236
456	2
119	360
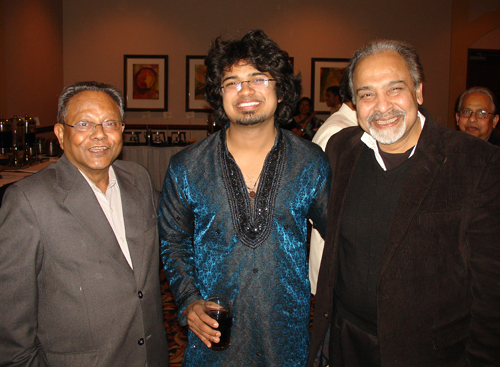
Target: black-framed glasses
258	83
110	126
480	114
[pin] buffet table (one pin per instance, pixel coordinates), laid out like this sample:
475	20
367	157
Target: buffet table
13	174
154	158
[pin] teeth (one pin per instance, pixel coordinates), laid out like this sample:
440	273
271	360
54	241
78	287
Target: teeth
385	122
98	148
248	104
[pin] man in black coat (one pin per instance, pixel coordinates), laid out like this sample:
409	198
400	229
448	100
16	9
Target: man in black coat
410	271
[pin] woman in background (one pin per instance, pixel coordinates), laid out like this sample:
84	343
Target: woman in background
306	120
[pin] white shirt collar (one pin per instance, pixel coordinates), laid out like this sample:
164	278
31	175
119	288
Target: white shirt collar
111	175
372	143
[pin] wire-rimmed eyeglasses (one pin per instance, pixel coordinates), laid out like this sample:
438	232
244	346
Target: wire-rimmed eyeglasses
480	114
254	84
110	126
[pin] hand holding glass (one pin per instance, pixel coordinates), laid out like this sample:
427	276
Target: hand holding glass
221	310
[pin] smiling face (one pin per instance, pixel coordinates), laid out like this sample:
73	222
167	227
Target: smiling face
305	107
93	152
249	106
387	102
331	99
481	128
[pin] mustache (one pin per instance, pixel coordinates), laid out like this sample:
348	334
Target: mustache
391	113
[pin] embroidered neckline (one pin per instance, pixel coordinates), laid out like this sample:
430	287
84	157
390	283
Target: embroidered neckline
252	223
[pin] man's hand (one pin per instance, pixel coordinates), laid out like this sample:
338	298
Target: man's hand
201	324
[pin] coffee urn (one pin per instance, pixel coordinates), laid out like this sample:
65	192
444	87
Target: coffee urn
30	137
5	136
17	128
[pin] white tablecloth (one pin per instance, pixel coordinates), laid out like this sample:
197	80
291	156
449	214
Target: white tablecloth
154	159
10	177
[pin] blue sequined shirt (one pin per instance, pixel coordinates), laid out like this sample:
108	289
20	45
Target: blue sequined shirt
214	242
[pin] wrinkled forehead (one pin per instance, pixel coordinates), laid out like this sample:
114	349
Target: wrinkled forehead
382	64
478	101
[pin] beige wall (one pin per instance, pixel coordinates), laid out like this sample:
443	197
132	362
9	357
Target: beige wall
31	75
98	33
95	34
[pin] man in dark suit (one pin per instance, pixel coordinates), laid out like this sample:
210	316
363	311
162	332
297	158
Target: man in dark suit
477	114
410	271
79	255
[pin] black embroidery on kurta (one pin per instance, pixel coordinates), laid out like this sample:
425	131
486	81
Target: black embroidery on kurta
252	223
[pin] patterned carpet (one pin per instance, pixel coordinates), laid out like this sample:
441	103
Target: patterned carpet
176	334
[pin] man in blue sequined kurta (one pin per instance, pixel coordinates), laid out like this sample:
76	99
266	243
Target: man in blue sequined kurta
234	207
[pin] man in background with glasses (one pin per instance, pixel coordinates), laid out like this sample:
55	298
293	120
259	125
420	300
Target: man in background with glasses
233	212
477	114
79	249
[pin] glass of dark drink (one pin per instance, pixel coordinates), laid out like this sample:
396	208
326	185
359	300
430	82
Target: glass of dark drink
221	310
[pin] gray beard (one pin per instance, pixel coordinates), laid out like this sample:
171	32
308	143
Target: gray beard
387	136
250	119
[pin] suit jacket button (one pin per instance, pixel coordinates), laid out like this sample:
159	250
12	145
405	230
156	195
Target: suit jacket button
140	295
326	315
140	341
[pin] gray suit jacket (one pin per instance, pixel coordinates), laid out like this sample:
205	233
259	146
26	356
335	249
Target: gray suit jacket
438	293
68	295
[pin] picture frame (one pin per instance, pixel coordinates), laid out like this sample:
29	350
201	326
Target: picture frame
195	84
325	73
145	82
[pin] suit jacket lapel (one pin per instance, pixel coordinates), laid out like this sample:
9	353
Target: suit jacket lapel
134	217
428	159
80	200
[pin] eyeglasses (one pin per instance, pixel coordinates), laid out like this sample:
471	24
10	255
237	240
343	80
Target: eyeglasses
260	83
480	114
109	126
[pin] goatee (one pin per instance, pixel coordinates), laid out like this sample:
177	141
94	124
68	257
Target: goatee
387	135
250	119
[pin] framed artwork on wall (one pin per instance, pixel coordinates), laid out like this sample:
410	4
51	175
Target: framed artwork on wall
145	82
195	84
325	73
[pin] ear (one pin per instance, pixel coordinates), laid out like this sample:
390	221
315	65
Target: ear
59	131
457	117
279	100
419	93
495	120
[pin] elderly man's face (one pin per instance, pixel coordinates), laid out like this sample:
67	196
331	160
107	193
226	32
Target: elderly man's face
92	152
472	125
387	102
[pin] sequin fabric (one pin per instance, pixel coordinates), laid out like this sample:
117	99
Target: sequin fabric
215	242
252	222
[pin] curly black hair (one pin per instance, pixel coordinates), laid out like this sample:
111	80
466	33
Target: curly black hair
258	50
